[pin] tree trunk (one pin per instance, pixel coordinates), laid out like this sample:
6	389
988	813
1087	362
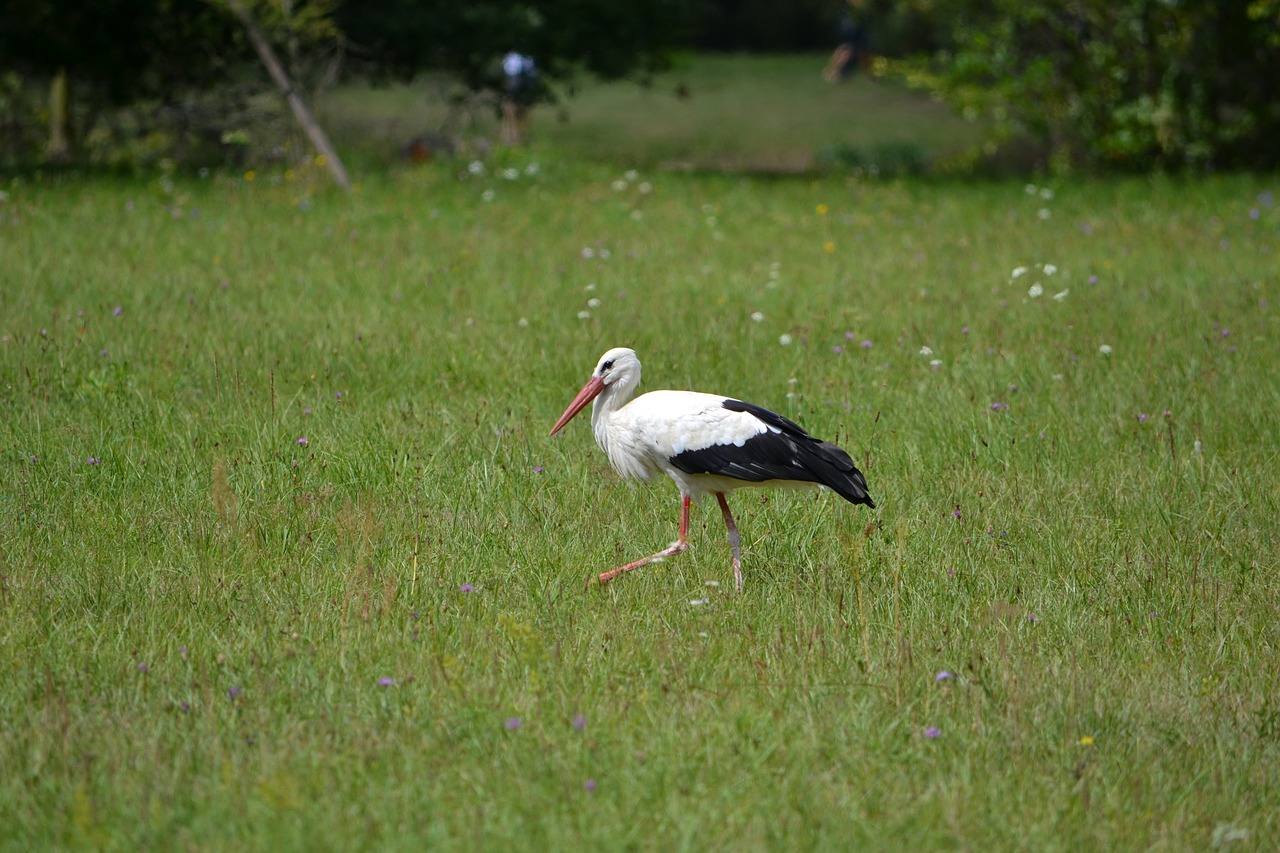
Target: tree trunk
59	113
312	128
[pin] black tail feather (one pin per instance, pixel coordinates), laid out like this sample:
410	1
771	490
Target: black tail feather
788	454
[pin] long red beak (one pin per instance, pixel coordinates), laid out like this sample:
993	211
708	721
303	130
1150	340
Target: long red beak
588	393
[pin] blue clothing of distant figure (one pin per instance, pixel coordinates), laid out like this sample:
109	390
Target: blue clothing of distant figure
520	77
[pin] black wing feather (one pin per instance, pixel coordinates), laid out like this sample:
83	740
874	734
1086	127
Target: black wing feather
789	454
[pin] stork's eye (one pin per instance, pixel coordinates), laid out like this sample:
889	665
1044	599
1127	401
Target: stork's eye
608	365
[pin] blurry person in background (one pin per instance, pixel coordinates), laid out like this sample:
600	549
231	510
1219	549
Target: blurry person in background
854	50
519	91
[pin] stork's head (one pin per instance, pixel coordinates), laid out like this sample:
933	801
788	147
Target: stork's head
618	368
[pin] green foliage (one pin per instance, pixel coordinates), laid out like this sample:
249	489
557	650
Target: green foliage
194	626
1130	85
402	38
116	51
881	160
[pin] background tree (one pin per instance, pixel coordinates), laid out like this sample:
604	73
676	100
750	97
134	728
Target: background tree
401	38
110	53
1130	84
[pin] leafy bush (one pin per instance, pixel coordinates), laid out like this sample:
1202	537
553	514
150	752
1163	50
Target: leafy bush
881	160
1129	84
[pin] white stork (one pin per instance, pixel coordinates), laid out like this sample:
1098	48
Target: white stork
707	443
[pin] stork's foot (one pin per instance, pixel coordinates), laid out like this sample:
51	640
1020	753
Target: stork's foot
737	573
677	547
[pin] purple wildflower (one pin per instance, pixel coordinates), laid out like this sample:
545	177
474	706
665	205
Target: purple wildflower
997	406
143	666
1093	279
1031	617
234	692
92	460
386	682
118	311
964	330
848	336
1254	213
589	785
1226	332
867	345
837	349
186	706
956	514
513	723
538	469
580	722
943	676
337	395
182	652
1142	417
466	587
302	441
933	732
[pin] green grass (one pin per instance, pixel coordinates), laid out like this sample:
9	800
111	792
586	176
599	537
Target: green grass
756	114
193	629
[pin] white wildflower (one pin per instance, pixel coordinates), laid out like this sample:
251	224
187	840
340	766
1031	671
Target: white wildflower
646	188
936	364
698	602
1060	295
510	174
1043	213
584	315
531	169
637	215
523	322
1035	290
925	350
632	174
487	195
757	316
713	584
619	186
1105	349
475	167
588	252
1031	189
1046	194
1018	272
785	340
1050	269
593	303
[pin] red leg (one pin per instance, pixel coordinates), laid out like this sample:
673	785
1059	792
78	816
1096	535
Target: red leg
734	540
677	547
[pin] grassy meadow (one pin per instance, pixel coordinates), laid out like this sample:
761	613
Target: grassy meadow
770	114
288	561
